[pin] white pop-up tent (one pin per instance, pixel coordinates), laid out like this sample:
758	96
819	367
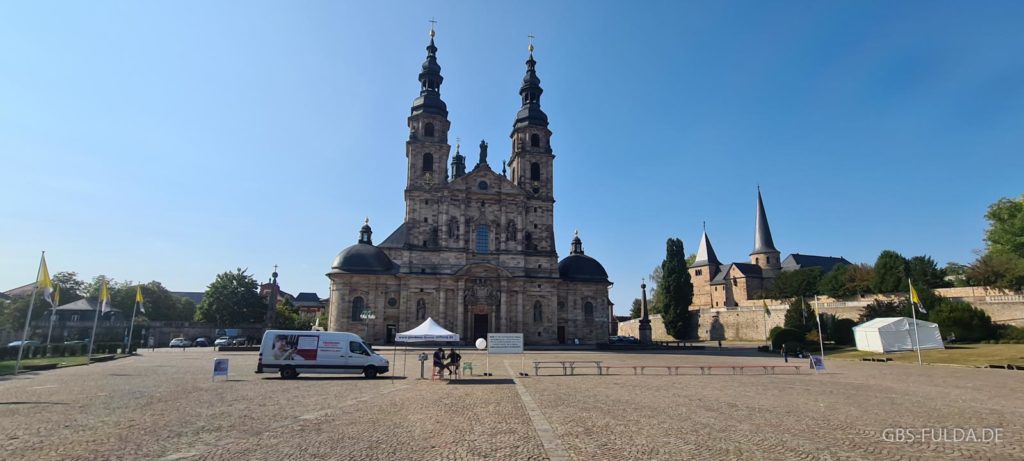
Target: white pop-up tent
894	334
428	331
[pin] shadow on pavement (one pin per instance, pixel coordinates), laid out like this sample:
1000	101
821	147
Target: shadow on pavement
33	403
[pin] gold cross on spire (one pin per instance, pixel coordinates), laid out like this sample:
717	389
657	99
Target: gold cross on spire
531	37
432	24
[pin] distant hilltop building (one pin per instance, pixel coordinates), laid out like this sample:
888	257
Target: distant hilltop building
476	251
728	285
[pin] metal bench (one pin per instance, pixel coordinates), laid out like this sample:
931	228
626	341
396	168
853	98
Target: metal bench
704	369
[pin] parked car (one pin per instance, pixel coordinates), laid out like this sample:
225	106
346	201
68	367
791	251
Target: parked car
28	344
238	341
222	341
180	342
201	342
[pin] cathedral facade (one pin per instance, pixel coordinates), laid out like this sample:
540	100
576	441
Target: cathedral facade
476	251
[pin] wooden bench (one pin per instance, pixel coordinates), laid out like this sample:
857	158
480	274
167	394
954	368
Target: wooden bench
568	366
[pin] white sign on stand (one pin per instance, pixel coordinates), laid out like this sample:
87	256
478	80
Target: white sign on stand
220	368
505	343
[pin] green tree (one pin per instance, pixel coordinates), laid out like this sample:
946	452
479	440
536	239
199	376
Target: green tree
835	284
232	299
675	290
926	274
71	287
1000	270
158	303
691	259
13	313
635	311
894	308
965	321
654	303
801	282
858	279
1005	233
799	316
890	273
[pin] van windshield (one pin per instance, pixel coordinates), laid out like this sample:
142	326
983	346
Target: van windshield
358	348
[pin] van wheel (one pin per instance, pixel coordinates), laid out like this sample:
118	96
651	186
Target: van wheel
289	373
370	372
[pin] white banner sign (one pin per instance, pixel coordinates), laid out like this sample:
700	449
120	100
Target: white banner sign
505	343
220	367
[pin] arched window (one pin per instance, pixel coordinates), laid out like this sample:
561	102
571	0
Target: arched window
428	130
534	140
528	240
535	171
561	306
538	312
483	238
453	228
428	162
588	310
421	309
358	304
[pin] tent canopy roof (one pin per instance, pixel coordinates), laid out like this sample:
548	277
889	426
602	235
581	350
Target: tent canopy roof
893	324
429	330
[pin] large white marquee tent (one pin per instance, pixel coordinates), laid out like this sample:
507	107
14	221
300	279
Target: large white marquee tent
895	334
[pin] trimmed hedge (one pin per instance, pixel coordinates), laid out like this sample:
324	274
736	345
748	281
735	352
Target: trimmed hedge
792	338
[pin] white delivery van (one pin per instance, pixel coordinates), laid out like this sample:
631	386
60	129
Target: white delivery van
291	352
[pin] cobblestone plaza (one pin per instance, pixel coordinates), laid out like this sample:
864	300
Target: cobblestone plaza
163	405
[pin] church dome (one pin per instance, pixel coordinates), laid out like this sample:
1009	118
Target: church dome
578	267
363	257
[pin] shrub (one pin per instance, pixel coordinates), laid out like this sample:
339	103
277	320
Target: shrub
771	333
787	336
1009	332
965	321
842	331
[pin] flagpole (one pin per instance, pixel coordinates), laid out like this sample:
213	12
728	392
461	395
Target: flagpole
24	333
913	313
817	315
96	320
49	334
131	328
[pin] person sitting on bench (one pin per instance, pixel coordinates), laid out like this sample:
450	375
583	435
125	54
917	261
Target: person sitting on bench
439	361
454	358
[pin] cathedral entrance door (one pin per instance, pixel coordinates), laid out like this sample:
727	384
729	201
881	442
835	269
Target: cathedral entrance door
480	322
392	331
561	334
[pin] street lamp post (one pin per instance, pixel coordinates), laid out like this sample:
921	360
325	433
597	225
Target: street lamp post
366	315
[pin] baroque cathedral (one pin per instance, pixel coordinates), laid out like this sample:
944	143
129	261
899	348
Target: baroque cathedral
476	251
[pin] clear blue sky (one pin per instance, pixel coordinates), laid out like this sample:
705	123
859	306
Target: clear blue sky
171	141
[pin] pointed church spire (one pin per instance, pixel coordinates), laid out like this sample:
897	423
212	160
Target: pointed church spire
577	244
430	78
705	252
530	113
762	233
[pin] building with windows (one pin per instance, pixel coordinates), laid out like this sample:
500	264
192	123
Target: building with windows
476	251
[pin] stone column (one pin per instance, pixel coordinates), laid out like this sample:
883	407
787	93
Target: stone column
645	321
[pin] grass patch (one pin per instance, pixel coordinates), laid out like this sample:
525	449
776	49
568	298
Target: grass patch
960	354
7	366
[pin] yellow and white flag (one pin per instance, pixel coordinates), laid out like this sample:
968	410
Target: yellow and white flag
104	299
767	312
138	298
914	299
43	282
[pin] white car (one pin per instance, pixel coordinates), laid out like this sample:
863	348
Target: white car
222	341
180	342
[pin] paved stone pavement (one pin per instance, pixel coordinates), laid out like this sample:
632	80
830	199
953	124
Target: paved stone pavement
163	405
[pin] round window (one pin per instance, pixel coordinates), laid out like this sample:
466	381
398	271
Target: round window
392	302
482	185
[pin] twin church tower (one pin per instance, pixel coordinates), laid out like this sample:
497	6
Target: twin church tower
476	251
